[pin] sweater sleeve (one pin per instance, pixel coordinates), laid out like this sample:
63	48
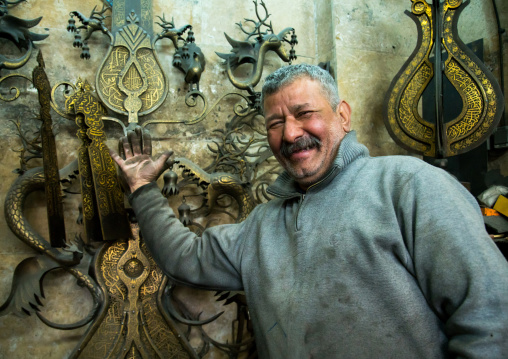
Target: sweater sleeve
211	261
460	271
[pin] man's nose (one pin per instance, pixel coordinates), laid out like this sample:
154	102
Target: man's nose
292	130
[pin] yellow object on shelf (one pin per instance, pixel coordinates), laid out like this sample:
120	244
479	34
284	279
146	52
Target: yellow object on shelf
502	205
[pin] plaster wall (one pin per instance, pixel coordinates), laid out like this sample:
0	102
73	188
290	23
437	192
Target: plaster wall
366	42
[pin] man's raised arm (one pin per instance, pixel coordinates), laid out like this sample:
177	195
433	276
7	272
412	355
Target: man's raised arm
211	261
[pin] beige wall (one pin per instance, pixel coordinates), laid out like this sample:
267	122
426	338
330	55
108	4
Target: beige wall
366	41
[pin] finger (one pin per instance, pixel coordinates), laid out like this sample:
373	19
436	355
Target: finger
121	152
127	150
135	143
119	161
139	135
161	161
147	144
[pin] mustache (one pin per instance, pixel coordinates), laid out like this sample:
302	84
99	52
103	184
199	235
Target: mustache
302	143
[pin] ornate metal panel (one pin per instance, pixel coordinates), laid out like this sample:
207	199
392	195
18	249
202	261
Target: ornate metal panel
481	96
130	323
103	200
130	80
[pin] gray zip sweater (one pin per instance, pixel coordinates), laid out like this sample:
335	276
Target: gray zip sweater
385	257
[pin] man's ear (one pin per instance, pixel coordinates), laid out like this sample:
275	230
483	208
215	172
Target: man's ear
344	113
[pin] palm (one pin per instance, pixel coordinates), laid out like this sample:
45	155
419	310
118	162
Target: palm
138	167
142	168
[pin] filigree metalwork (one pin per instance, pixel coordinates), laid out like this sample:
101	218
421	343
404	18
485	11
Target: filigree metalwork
135	313
130	80
253	52
128	280
130	323
102	198
13	88
190	100
481	96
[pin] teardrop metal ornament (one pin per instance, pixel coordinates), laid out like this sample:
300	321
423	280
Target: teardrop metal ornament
130	80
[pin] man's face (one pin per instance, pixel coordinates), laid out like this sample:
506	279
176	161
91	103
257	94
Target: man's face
304	132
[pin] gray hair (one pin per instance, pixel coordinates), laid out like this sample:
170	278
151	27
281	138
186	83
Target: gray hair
286	75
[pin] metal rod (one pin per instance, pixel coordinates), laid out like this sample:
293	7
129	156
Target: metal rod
500	32
438	77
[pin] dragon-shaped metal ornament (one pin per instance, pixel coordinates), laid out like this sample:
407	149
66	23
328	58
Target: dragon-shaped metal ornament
27	294
254	48
18	32
481	95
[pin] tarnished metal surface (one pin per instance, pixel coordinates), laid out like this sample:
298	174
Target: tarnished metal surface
482	98
30	181
52	189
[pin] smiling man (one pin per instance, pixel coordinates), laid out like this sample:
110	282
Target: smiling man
305	129
355	257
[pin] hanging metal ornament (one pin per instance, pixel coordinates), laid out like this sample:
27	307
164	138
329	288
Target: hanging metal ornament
170	183
184	213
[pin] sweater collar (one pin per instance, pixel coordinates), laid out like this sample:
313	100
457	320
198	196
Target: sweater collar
349	150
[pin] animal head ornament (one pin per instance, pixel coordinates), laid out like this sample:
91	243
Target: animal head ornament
253	52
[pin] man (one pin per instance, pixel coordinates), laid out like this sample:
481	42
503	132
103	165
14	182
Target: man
356	257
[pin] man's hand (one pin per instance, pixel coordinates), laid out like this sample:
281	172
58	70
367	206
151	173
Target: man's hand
138	168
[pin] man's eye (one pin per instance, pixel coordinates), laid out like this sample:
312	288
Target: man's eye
304	113
274	124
